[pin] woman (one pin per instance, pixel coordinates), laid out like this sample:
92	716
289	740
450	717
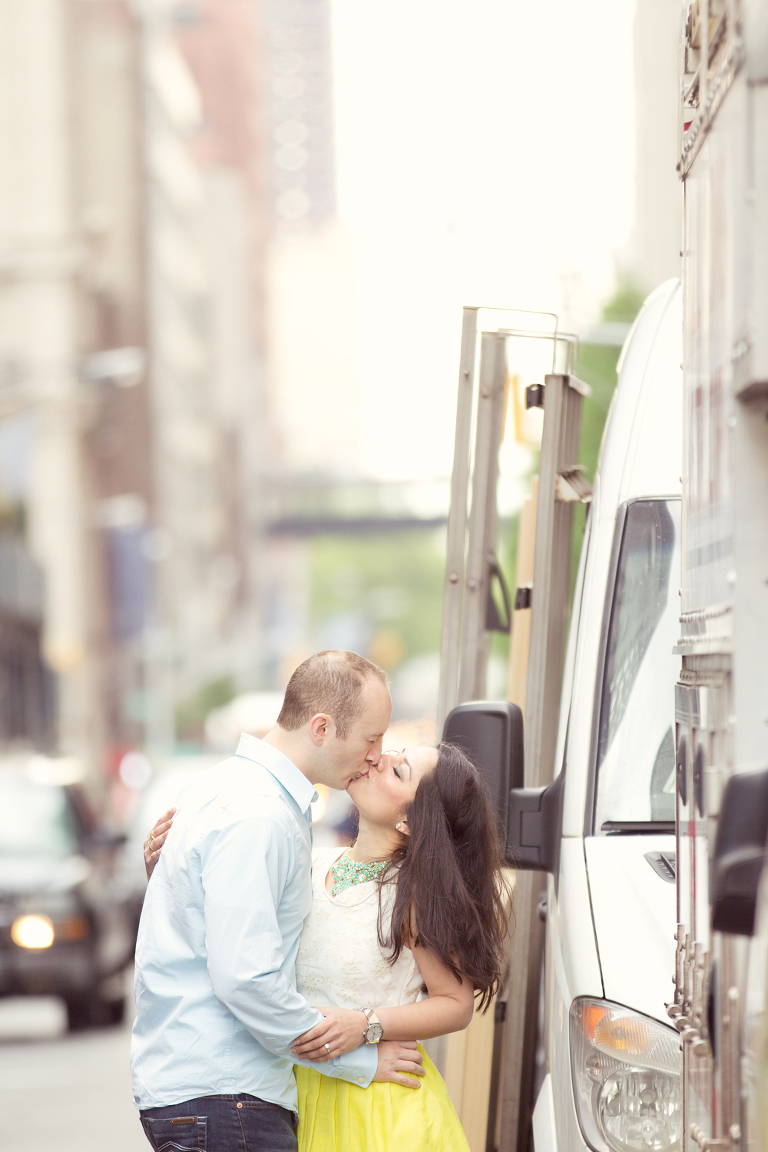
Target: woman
414	906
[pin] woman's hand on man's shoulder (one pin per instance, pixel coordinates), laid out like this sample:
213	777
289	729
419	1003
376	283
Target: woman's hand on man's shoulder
153	845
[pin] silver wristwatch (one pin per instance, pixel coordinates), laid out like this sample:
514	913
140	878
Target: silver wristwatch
374	1032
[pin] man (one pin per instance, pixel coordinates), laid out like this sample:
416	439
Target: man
217	1006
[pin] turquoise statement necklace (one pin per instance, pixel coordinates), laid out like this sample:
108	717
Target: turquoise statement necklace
347	872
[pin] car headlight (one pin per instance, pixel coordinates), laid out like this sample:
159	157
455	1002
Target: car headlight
626	1078
37	931
32	932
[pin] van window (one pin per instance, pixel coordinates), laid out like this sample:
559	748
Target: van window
635	753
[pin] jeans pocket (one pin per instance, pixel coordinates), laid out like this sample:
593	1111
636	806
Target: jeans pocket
267	1127
177	1133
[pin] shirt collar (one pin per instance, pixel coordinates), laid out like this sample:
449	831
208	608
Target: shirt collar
278	765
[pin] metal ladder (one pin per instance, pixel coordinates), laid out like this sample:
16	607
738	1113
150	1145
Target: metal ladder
470	616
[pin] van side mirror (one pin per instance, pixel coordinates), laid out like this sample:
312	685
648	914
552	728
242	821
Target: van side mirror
740	852
491	734
535	825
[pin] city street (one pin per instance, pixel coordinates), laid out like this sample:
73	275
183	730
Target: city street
61	1093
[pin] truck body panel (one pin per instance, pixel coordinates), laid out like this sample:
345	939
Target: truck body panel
722	693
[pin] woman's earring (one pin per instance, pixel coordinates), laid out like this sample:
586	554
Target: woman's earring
399	827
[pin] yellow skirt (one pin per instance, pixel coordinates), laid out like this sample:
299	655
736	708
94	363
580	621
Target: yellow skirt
335	1116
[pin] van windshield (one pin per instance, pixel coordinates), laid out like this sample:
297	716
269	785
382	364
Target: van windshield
35	819
635	753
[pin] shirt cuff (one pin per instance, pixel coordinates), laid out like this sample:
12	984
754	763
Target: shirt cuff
358	1066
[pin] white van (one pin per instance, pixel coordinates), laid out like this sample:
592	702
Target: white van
611	1073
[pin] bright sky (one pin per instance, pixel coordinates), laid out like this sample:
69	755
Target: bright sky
485	157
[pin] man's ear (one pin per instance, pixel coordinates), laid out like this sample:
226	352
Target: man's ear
320	728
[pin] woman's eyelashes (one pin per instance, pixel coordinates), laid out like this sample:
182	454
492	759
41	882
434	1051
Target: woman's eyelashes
397	772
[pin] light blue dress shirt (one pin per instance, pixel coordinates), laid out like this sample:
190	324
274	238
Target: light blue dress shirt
216	999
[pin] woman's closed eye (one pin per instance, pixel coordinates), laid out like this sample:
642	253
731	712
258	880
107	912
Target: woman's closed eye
396	768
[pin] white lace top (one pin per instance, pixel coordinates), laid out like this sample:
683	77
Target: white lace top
340	961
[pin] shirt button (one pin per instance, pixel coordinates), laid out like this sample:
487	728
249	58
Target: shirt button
239	1103
360	1080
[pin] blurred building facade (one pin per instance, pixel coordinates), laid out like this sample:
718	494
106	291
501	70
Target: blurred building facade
313	363
178	361
134	209
49	314
208	212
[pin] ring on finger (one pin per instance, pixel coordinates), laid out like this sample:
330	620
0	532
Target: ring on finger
150	839
327	1048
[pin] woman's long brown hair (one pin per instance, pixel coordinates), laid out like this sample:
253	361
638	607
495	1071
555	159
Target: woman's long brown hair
448	891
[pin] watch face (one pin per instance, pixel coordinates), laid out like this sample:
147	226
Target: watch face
373	1033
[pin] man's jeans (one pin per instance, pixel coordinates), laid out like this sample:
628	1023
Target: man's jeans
240	1123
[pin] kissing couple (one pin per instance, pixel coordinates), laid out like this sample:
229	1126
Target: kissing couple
280	992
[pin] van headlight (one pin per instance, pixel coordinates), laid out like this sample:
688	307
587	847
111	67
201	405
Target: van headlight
626	1078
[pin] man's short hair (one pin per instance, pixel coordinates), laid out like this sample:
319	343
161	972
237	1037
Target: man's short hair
330	682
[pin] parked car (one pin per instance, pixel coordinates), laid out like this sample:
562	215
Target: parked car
65	920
